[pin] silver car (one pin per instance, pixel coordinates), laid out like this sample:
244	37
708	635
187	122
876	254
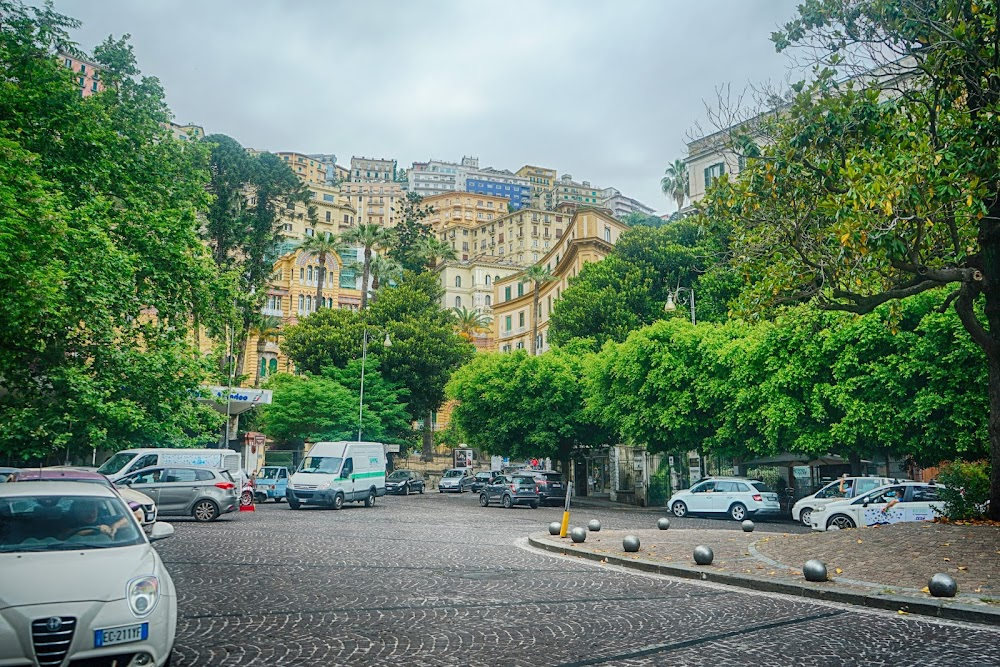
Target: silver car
204	493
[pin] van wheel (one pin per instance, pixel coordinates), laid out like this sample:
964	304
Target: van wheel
338	501
507	502
205	510
370	500
294	504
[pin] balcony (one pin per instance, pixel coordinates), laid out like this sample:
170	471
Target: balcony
513	332
273	312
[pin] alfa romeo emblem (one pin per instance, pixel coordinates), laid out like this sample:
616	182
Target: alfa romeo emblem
53	624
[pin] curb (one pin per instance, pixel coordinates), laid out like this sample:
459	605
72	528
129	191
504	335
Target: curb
951	611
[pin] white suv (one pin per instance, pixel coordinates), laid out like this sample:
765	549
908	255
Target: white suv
843	488
736	497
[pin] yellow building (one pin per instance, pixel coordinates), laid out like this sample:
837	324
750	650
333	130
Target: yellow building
589	237
457	213
542	181
376	203
310	170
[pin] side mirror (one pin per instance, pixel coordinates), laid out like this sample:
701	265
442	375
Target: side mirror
161	530
124	482
345	474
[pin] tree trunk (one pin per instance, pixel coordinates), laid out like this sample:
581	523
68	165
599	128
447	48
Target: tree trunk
319	281
428	436
365	274
197	334
534	324
261	342
855	460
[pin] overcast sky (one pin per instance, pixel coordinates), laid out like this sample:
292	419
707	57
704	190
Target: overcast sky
607	91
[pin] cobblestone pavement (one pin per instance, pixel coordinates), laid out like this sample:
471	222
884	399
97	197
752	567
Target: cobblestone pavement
437	580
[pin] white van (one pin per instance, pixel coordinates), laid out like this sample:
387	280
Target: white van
337	472
130	460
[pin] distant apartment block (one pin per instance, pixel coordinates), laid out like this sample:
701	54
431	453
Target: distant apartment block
329	162
620	205
436	176
376	203
372	170
496	182
541	180
311	170
87	74
189	132
567	190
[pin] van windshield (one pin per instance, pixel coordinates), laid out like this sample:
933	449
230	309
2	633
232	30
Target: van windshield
323	464
268	473
115	463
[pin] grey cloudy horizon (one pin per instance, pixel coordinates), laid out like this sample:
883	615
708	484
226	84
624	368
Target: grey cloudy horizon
606	91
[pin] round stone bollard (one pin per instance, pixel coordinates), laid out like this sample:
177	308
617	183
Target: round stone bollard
943	586
747	526
594	526
815	570
555	528
703	555
663	523
578	534
630	543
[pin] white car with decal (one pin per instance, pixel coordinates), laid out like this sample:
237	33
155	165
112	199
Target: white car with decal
894	503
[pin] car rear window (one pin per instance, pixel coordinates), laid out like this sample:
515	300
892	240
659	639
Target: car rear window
762	487
552	476
525	480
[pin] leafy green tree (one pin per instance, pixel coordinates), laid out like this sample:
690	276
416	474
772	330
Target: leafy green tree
522	406
436	251
537	275
324	407
328	337
876	189
470	322
101	265
384	270
636	219
323	246
370	238
410	231
675	182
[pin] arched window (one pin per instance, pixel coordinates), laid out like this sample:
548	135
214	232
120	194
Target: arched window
272	366
607	234
458	281
263	366
488	299
497	279
309	274
302	302
458	302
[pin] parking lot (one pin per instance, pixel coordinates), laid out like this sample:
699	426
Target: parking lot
435	579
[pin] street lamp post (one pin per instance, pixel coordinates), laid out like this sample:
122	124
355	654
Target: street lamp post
364	356
671	306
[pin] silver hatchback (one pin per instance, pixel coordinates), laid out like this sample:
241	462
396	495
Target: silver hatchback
203	493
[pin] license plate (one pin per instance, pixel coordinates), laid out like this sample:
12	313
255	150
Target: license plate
557	486
121	635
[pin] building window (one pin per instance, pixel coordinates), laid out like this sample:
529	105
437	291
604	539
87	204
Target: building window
607	234
310	232
506	293
520	289
714	172
458	281
272	366
520	319
487	280
507	321
488	300
458	302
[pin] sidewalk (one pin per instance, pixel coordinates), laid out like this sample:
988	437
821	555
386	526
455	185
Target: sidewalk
885	567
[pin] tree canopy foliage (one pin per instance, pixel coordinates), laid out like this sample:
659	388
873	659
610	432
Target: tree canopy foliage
101	264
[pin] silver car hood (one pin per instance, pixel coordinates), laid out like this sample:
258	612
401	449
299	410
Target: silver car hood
72	576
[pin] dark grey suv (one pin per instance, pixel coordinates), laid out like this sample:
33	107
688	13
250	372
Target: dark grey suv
510	490
204	493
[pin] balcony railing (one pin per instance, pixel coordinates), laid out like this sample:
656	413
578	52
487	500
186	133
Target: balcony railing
513	332
274	312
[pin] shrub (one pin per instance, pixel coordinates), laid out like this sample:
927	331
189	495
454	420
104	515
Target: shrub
966	488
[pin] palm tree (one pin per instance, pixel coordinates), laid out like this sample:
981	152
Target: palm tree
675	182
435	251
470	322
538	275
323	246
266	328
368	237
384	270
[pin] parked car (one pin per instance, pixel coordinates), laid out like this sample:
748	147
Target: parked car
204	493
404	482
271	483
144	502
458	480
839	489
550	484
337	472
736	497
481	479
510	490
894	503
81	583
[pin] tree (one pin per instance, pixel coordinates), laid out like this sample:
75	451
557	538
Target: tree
636	219
101	265
538	275
384	270
436	251
267	328
883	187
370	238
323	246
323	407
328	337
470	322
675	182
409	233
525	406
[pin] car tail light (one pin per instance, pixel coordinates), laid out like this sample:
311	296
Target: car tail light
757	497
225	485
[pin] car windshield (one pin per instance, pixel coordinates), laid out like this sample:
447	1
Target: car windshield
268	473
455	473
63	523
762	487
115	463
323	464
400	474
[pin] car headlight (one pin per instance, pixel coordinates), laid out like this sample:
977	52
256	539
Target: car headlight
142	595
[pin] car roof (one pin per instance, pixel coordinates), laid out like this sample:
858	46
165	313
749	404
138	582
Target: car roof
43	488
59	474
